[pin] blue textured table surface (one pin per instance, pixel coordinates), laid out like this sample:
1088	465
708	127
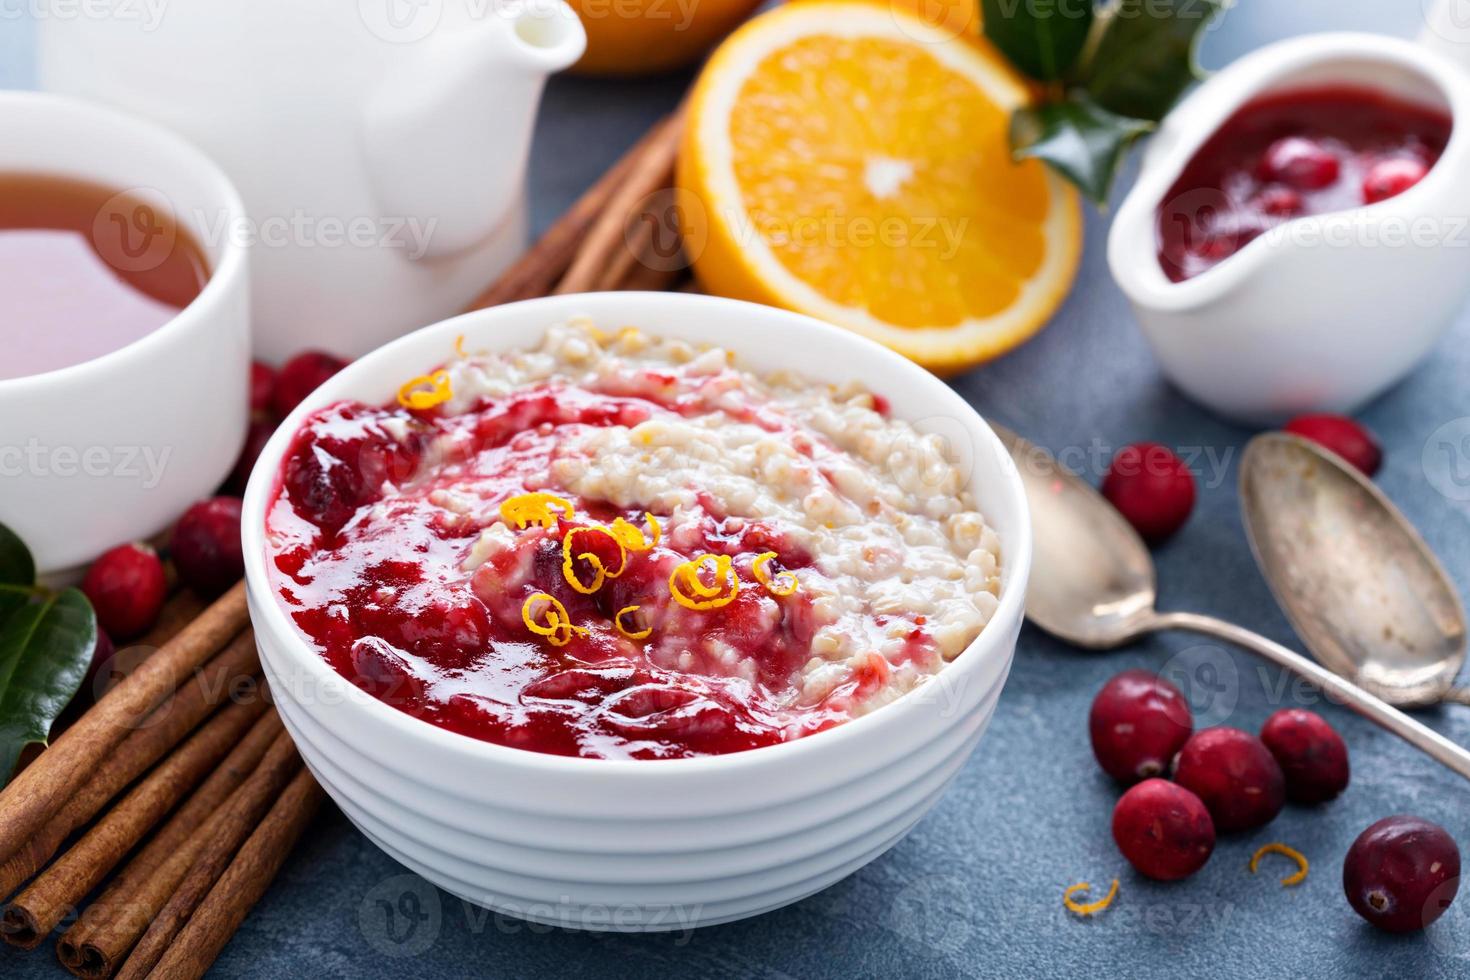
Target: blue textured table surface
976	888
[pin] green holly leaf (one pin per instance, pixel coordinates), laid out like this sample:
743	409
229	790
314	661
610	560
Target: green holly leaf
17	573
45	650
1145	58
17	567
1079	139
1041	37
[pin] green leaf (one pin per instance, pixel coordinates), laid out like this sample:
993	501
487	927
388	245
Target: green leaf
1079	139
45	650
1041	37
1145	58
17	567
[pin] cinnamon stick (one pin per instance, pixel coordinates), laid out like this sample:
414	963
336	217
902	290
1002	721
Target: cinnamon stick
641	223
242	884
604	244
46	901
220	838
95	945
181	609
161	731
35	796
544	262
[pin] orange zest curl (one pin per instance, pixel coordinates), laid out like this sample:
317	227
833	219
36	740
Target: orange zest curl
426	391
1091	908
459	347
1301	860
558	628
618	622
633	537
569	560
533	508
722	592
758	569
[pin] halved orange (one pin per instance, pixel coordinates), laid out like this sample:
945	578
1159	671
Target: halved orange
852	161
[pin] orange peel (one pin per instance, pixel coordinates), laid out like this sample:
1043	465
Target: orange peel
758	569
534	508
426	391
630	634
1303	866
723	592
1089	908
633	537
569	559
558	628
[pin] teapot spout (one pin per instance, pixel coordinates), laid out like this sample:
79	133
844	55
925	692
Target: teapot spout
447	133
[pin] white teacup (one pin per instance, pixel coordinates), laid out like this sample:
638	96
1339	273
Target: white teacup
113	449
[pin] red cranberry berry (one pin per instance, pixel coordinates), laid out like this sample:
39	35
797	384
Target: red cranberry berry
1279	202
300	376
256	437
1313	757
1390	178
1235	775
1343	436
1402	873
1300	163
340	462
262	385
126	587
1139	721
206	545
1152	489
1163	830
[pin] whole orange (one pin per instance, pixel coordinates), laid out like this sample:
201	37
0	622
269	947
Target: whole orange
642	37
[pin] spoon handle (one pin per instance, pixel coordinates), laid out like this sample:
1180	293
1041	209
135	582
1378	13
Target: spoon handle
1345	692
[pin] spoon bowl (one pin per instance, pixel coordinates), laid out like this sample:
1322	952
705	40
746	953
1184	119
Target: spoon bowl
1358	583
1099	589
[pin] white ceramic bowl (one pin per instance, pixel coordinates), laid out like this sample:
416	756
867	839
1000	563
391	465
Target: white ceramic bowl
115	448
646	845
1325	312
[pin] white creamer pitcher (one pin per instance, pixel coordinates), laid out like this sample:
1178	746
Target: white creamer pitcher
1336	308
380	145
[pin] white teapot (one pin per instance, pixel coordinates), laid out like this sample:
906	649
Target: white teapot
380	145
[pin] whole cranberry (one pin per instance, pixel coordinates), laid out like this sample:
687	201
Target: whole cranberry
1402	873
126	586
1312	756
1163	830
1235	775
1299	162
1343	436
1279	202
259	434
262	385
1138	722
1390	178
206	545
1152	489
300	376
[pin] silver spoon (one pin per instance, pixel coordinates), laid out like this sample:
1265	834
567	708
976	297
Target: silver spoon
1362	589
1093	585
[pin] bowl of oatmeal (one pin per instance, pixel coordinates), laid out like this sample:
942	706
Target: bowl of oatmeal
635	611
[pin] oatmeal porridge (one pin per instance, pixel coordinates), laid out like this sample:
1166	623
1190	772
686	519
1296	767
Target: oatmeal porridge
617	546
